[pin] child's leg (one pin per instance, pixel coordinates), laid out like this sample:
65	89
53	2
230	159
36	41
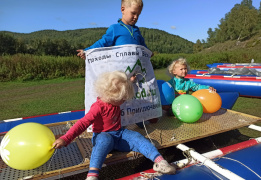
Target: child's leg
102	144
134	141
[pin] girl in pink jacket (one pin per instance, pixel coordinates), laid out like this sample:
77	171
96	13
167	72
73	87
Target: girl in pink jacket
113	89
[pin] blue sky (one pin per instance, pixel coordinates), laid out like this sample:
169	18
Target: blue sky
189	19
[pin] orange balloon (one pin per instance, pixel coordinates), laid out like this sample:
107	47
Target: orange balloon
211	101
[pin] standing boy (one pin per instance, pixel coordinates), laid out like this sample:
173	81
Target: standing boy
124	32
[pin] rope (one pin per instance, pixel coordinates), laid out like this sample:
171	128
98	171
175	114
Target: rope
243	165
231	160
213	142
137	84
51	160
203	164
149	176
56	150
213	172
188	156
147	133
151	100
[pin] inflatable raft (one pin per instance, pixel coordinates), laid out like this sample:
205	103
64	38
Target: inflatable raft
251	64
228	67
169	131
248	86
239	161
243	78
6	125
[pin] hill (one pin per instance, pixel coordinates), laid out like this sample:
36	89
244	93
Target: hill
157	40
253	43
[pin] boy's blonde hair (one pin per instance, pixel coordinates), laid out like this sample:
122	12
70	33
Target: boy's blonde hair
114	87
128	3
180	61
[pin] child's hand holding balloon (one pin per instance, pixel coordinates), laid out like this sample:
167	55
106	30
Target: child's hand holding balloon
59	143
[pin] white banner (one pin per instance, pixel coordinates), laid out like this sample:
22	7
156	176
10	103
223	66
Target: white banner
132	59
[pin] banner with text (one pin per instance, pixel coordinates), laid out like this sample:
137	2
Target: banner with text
131	59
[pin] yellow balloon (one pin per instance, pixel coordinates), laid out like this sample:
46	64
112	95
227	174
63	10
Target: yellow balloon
27	146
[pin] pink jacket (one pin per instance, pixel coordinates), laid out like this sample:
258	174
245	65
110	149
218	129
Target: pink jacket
103	117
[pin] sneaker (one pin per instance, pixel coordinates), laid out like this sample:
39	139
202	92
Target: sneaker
164	167
92	178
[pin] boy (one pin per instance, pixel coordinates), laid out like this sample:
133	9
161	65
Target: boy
178	70
125	31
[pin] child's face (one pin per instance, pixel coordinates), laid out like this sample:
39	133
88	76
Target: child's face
180	71
130	14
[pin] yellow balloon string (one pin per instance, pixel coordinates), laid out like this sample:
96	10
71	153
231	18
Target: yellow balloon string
51	160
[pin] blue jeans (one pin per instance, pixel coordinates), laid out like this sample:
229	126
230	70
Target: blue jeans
122	140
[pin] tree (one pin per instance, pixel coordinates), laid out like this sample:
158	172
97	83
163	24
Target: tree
241	21
247	3
259	18
20	46
211	37
197	47
222	34
7	44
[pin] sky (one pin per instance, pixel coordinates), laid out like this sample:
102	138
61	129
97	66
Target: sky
189	19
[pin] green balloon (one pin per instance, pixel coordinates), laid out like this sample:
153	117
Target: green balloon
187	108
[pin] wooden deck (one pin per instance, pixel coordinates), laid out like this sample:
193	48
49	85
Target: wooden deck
169	131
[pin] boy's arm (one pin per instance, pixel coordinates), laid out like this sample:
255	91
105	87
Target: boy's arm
194	86
106	40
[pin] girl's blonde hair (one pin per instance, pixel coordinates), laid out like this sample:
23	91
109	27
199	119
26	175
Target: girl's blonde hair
128	3
173	65
114	87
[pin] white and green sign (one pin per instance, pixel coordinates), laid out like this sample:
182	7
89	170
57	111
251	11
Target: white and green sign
132	59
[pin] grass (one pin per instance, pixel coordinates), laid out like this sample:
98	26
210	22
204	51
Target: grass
22	99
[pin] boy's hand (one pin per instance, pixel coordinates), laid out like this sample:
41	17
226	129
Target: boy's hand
59	143
212	89
81	54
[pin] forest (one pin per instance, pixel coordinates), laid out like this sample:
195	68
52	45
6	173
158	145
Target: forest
241	23
65	43
49	54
